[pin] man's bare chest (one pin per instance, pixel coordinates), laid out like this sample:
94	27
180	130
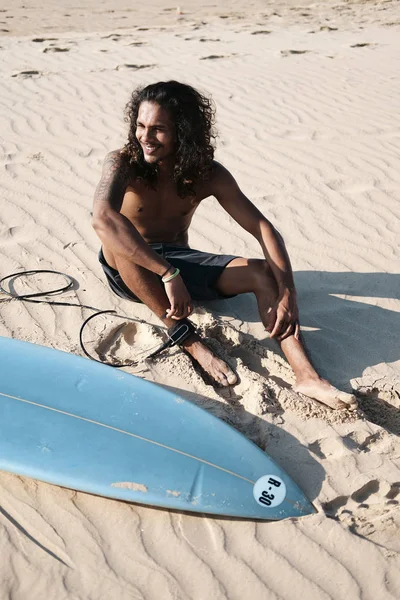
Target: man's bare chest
159	204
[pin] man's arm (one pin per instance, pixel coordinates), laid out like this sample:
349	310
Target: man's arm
115	231
239	207
120	236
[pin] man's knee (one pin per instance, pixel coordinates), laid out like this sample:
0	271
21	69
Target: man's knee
261	275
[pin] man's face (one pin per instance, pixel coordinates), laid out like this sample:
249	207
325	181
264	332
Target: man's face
155	132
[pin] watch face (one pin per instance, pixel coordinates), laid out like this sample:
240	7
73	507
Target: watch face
269	491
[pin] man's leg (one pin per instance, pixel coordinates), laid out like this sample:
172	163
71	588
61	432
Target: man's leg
250	275
146	286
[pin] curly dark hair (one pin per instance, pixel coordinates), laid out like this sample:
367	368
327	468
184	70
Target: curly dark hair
193	115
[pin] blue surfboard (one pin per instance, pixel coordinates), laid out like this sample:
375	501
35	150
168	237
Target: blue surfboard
72	422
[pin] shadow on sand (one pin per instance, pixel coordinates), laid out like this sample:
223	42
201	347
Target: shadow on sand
347	335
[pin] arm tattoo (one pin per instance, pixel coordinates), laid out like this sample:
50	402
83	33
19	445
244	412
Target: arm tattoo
113	181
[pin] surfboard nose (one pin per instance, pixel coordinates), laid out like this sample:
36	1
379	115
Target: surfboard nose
279	497
300	508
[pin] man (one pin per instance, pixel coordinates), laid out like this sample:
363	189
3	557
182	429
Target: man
143	207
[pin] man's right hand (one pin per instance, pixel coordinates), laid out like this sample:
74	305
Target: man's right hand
284	317
179	299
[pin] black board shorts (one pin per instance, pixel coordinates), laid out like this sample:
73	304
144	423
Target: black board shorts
199	271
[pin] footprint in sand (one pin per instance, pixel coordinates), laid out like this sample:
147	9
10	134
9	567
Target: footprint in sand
113	36
285	53
25	74
362	45
216	56
128	67
354	441
350	187
121	342
359	442
372	511
40	40
17	234
55	49
381	406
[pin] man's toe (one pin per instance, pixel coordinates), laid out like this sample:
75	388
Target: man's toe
231	377
228	378
348	400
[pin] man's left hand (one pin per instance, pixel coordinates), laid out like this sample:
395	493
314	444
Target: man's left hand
285	316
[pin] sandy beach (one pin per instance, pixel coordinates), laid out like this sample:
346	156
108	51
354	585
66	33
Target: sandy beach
307	97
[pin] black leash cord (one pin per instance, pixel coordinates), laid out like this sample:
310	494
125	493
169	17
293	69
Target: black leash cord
114	364
67	287
60	290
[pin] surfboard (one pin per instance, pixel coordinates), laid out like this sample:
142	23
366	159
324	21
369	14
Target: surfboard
78	424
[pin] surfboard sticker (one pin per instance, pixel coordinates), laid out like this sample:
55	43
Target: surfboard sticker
269	491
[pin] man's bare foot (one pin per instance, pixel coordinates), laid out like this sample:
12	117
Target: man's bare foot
324	392
211	364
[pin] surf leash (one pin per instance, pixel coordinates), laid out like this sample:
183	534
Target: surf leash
176	334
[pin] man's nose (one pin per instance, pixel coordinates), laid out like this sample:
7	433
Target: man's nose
147	135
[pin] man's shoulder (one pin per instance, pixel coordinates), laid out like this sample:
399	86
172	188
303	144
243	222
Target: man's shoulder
217	168
119	162
117	158
220	176
219	172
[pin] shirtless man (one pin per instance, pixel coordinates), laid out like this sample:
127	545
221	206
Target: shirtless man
143	207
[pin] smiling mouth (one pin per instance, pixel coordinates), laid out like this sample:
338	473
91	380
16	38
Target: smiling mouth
150	148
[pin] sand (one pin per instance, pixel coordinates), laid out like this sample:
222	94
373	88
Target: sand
307	98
